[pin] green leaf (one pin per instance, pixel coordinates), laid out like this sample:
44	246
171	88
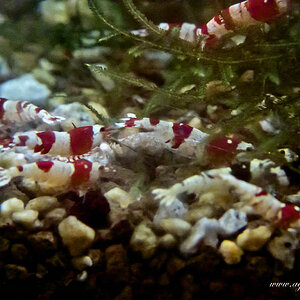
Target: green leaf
273	77
108	37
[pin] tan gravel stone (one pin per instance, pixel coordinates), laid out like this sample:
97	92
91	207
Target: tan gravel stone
76	236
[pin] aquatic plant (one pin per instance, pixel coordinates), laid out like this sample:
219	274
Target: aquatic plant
250	76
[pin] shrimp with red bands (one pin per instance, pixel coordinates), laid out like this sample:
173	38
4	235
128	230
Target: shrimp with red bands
76	175
171	135
77	141
23	111
240	15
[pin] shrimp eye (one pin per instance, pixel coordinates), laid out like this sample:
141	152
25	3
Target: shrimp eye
102	129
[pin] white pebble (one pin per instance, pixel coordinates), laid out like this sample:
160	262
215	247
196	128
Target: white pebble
82	262
26	218
232	221
10	206
42	204
167	241
175	226
118	196
144	240
76	236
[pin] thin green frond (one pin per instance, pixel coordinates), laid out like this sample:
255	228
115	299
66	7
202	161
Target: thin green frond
101	118
150	86
138	82
108	37
141	18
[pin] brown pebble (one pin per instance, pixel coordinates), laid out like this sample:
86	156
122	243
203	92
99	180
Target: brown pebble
15	272
126	294
43	241
158	261
206	262
174	265
117	269
103	236
57	261
257	267
19	252
96	256
41	271
164	279
187	284
4	245
217	286
54	217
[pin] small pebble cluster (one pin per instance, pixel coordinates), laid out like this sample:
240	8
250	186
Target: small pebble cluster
123	256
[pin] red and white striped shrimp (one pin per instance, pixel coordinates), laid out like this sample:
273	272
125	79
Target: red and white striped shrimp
173	134
243	14
180	138
23	111
71	175
77	141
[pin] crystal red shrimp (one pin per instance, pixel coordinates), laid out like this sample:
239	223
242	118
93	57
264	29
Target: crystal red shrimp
23	111
77	141
71	175
173	134
243	14
179	137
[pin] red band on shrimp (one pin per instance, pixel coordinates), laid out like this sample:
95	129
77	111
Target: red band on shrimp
262	10
37	109
223	145
130	122
81	139
181	132
288	214
23	139
19	107
153	121
25	104
48	139
82	170
45	165
229	24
